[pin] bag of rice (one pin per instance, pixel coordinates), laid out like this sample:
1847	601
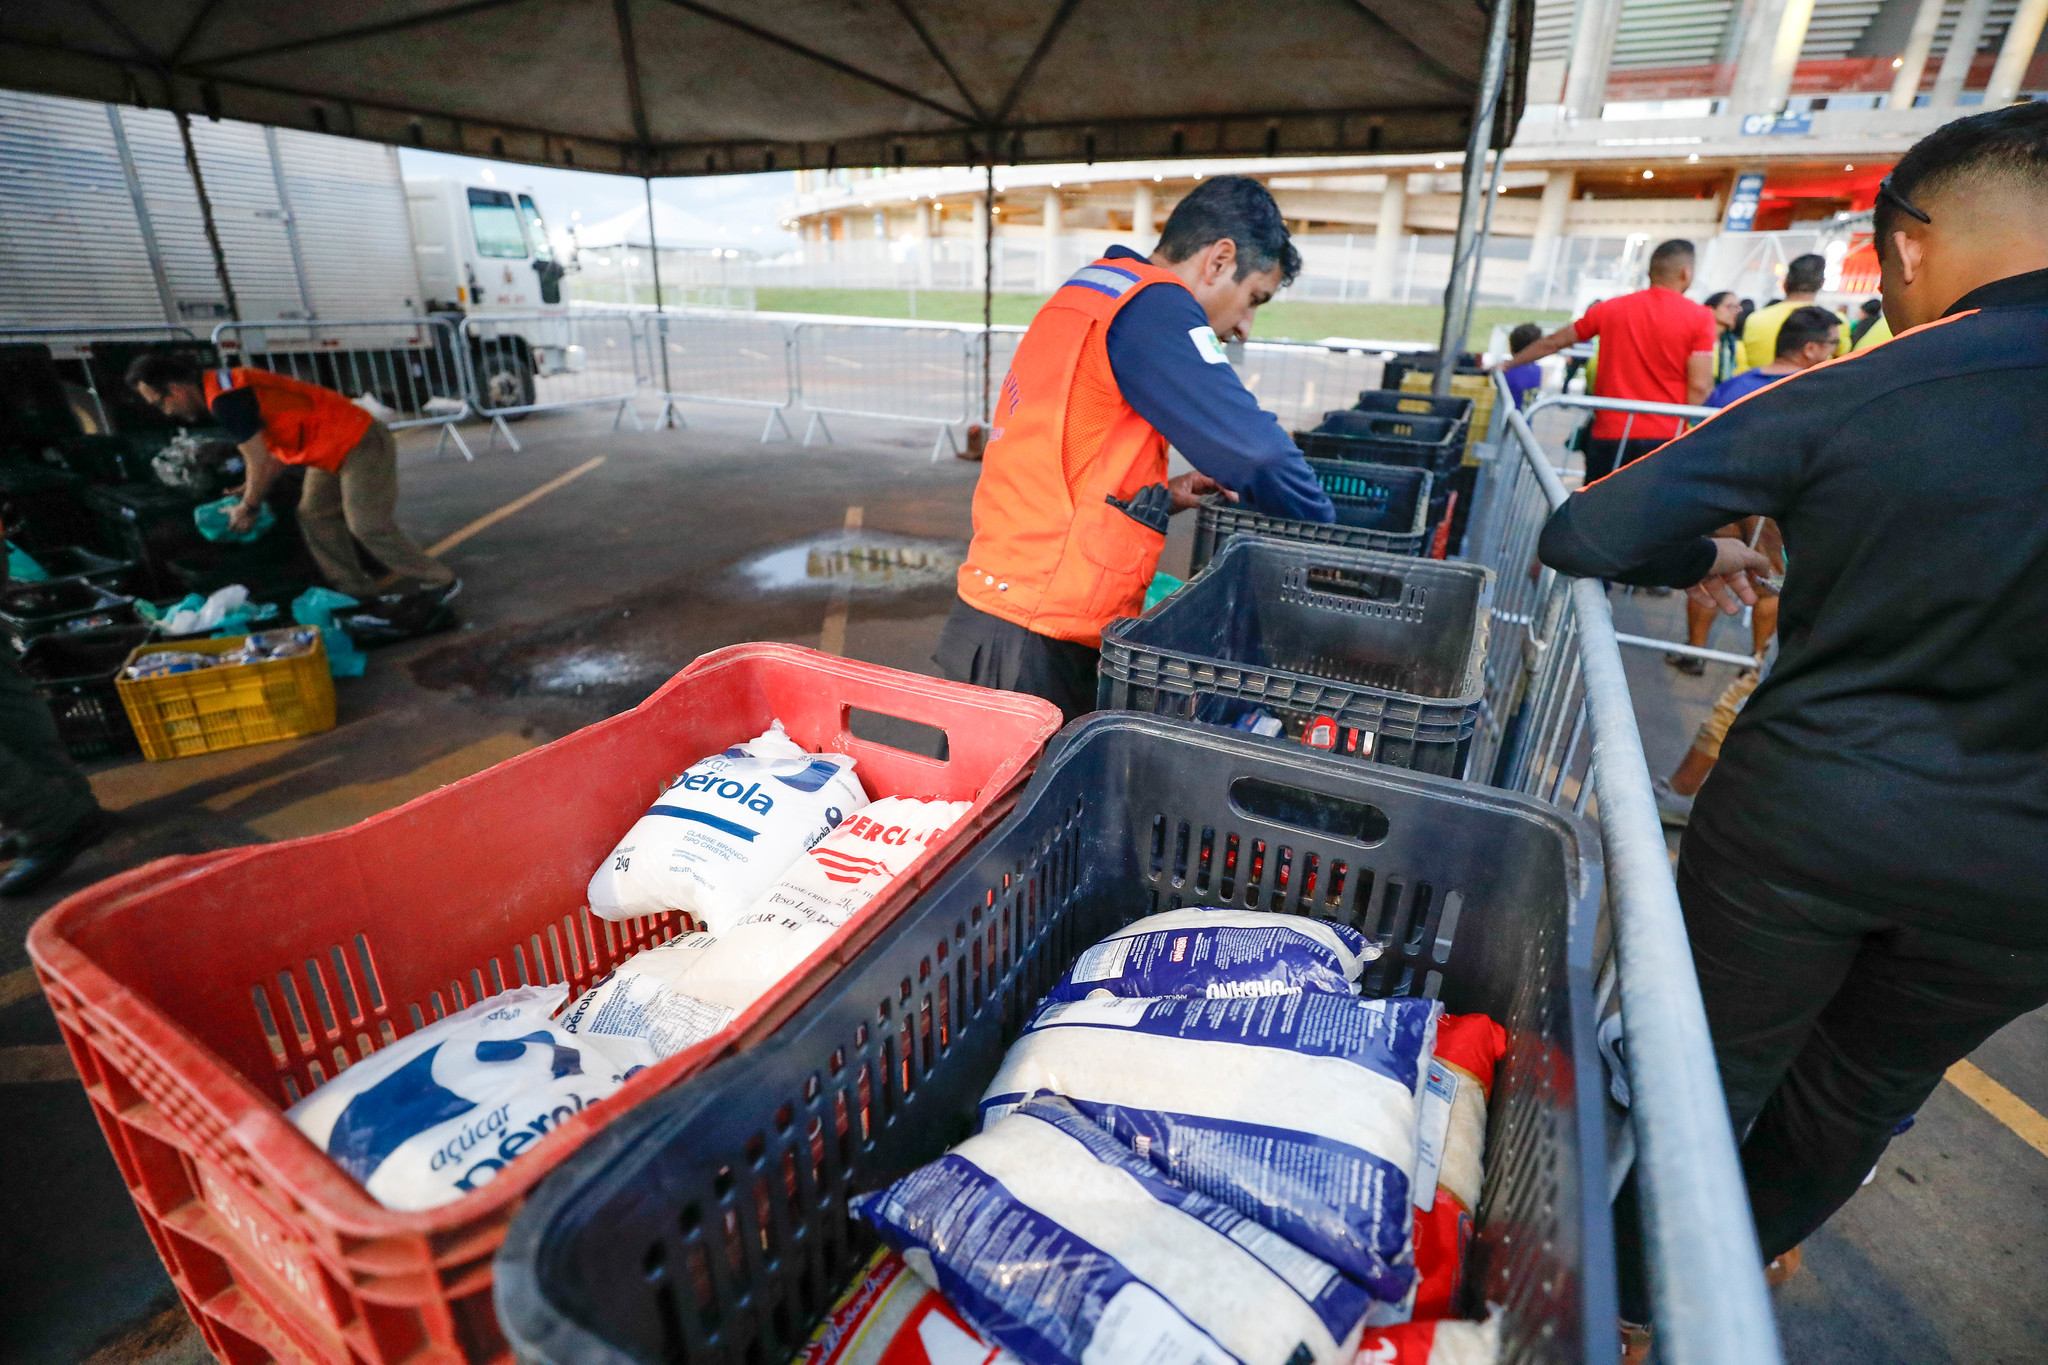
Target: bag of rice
1451	1167
725	830
1296	1110
1220	953
441	1111
1067	1249
891	1317
1449	1342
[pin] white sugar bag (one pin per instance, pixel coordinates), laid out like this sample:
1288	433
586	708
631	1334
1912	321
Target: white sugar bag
1220	953
441	1111
661	1001
1298	1111
1058	1243
725	830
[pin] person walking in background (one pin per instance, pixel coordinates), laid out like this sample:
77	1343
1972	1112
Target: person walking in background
1865	875
1728	358
1656	345
1524	380
1872	313
1805	338
350	459
1803	279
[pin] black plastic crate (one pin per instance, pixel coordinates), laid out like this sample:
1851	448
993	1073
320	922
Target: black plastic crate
150	525
711	1224
1433	443
1418	404
1390	648
31	610
1379	507
71	562
75	674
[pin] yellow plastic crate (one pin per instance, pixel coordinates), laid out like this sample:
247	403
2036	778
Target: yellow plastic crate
1477	387
227	707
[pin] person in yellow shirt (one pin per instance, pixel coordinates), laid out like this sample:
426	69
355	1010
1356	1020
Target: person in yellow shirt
1803	279
1877	334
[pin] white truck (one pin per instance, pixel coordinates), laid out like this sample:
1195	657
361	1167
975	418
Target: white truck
100	228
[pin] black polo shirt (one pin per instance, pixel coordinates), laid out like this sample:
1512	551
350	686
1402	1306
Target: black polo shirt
1898	752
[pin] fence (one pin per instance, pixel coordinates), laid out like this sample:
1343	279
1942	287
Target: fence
903	374
415	368
103	381
735	361
1559	723
525	363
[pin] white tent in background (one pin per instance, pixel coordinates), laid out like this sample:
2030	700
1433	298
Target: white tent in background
675	229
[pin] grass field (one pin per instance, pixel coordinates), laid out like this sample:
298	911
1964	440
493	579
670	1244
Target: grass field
1279	321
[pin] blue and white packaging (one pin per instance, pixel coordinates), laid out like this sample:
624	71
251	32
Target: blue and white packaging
1299	1111
726	831
441	1111
1220	953
1067	1249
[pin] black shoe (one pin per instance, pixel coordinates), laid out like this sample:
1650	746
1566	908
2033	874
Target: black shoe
1689	664
34	867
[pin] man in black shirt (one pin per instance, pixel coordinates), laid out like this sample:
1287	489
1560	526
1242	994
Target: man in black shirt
1865	878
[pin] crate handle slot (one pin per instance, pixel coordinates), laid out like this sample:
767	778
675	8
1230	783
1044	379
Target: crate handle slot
918	738
1359	585
1337	816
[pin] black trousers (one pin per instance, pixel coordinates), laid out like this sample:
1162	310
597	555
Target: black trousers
43	795
1832	1021
988	651
1603	457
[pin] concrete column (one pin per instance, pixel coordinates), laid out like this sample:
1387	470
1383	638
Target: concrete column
1144	222
1585	81
978	274
1770	50
1906	84
1557	194
1387	242
1049	276
921	232
2018	50
1962	48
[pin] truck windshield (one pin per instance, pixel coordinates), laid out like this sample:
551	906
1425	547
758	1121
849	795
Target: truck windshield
496	223
536	229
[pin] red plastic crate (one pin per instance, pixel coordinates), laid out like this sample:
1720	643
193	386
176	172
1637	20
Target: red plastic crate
163	978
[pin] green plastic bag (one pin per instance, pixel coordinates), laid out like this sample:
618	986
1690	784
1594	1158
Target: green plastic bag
1164	585
212	520
21	568
316	607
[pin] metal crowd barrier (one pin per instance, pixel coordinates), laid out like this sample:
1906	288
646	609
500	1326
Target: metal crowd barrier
1559	723
1299	381
732	360
897	374
523	363
75	343
416	368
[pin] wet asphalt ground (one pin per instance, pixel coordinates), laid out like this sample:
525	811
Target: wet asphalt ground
579	604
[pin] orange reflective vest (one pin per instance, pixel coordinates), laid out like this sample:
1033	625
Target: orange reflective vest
1049	553
302	423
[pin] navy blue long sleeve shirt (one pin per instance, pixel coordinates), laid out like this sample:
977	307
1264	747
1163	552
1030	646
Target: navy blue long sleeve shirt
1173	374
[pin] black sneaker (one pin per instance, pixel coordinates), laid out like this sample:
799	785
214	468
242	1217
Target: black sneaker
34	867
1688	664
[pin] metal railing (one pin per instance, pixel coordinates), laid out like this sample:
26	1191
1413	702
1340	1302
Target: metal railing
730	360
890	373
1299	381
76	343
523	363
1559	723
415	369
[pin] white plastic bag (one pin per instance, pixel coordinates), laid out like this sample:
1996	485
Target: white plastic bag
725	831
441	1111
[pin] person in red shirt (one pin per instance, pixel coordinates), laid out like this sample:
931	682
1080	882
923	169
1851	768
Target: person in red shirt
1656	345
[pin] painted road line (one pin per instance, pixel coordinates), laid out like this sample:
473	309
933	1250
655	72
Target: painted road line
490	519
235	796
2009	1109
37	1062
832	639
19	985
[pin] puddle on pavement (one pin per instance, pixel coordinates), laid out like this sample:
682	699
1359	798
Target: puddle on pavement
858	561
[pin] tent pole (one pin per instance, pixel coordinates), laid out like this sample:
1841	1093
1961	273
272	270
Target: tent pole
988	283
1479	248
1492	73
647	184
220	257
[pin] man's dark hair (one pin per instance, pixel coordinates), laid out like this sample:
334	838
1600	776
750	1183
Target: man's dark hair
1241	209
1527	334
2009	143
1872	307
161	369
1718	297
1805	274
1670	256
1804	325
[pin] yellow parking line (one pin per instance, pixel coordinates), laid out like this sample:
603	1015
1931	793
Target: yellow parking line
37	1062
2008	1108
18	984
490	519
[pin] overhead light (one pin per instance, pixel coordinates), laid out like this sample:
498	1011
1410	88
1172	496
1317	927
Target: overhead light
1898	62
1161	177
1500	189
1439	165
1055	184
1848	168
1695	156
1649	175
